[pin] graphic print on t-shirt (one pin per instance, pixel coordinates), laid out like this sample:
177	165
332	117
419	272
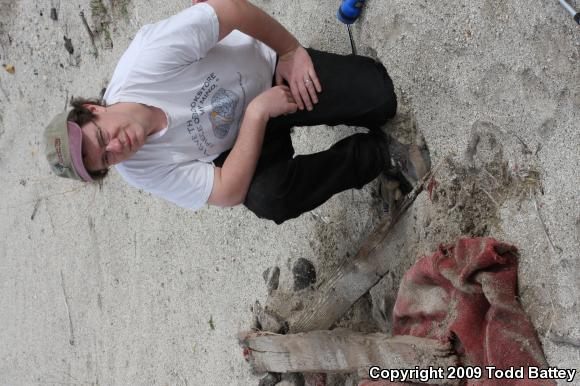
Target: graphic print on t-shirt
224	103
222	108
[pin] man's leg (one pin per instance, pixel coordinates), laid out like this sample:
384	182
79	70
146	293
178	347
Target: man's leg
357	91
287	189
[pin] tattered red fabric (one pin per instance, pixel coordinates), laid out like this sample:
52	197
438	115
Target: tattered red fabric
467	293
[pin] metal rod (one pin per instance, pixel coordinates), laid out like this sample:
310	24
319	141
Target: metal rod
568	7
571	10
351	39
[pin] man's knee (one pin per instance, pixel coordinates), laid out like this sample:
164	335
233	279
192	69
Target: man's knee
267	202
390	103
382	95
389	100
269	210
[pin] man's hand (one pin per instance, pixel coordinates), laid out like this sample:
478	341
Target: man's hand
194	2
274	102
232	181
294	65
297	69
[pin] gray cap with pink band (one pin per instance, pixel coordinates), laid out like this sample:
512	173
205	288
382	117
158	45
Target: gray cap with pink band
63	141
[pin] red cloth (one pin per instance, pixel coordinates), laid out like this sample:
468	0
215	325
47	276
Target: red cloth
468	293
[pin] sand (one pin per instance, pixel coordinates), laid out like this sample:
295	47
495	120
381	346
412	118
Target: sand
107	285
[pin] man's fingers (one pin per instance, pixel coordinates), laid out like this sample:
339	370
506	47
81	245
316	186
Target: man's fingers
312	92
296	95
292	105
305	96
315	80
279	79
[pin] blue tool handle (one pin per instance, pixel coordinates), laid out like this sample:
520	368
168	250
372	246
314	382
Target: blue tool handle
350	10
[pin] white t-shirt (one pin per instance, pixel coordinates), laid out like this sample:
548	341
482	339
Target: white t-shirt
202	86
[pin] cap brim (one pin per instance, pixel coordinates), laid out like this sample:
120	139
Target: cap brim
75	142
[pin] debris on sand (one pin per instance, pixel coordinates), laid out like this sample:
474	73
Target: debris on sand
304	274
9	68
272	278
68	45
470	191
102	21
90	32
270	379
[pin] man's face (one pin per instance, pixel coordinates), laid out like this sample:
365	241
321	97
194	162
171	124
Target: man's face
111	137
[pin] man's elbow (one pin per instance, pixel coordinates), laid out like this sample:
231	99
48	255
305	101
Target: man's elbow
226	199
231	201
227	192
228	13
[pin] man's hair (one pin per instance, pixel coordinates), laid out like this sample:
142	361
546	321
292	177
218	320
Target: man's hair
81	115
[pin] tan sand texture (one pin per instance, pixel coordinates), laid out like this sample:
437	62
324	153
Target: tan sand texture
106	285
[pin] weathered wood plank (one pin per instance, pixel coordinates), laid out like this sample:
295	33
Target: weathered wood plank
342	350
354	277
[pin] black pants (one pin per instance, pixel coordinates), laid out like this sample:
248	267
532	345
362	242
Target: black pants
356	91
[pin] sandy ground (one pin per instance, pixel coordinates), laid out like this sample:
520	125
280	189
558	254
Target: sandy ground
108	285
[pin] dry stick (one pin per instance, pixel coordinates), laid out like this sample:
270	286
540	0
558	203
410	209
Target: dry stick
72	336
36	206
343	351
91	35
565	340
355	277
490	197
553	250
492	176
536	206
318	216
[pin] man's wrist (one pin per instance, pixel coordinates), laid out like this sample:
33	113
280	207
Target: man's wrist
289	53
256	113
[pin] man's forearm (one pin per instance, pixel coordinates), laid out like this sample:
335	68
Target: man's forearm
265	28
232	180
249	19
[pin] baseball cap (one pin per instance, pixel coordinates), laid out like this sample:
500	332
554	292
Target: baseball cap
63	141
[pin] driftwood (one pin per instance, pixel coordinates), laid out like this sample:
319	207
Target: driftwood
342	350
356	276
